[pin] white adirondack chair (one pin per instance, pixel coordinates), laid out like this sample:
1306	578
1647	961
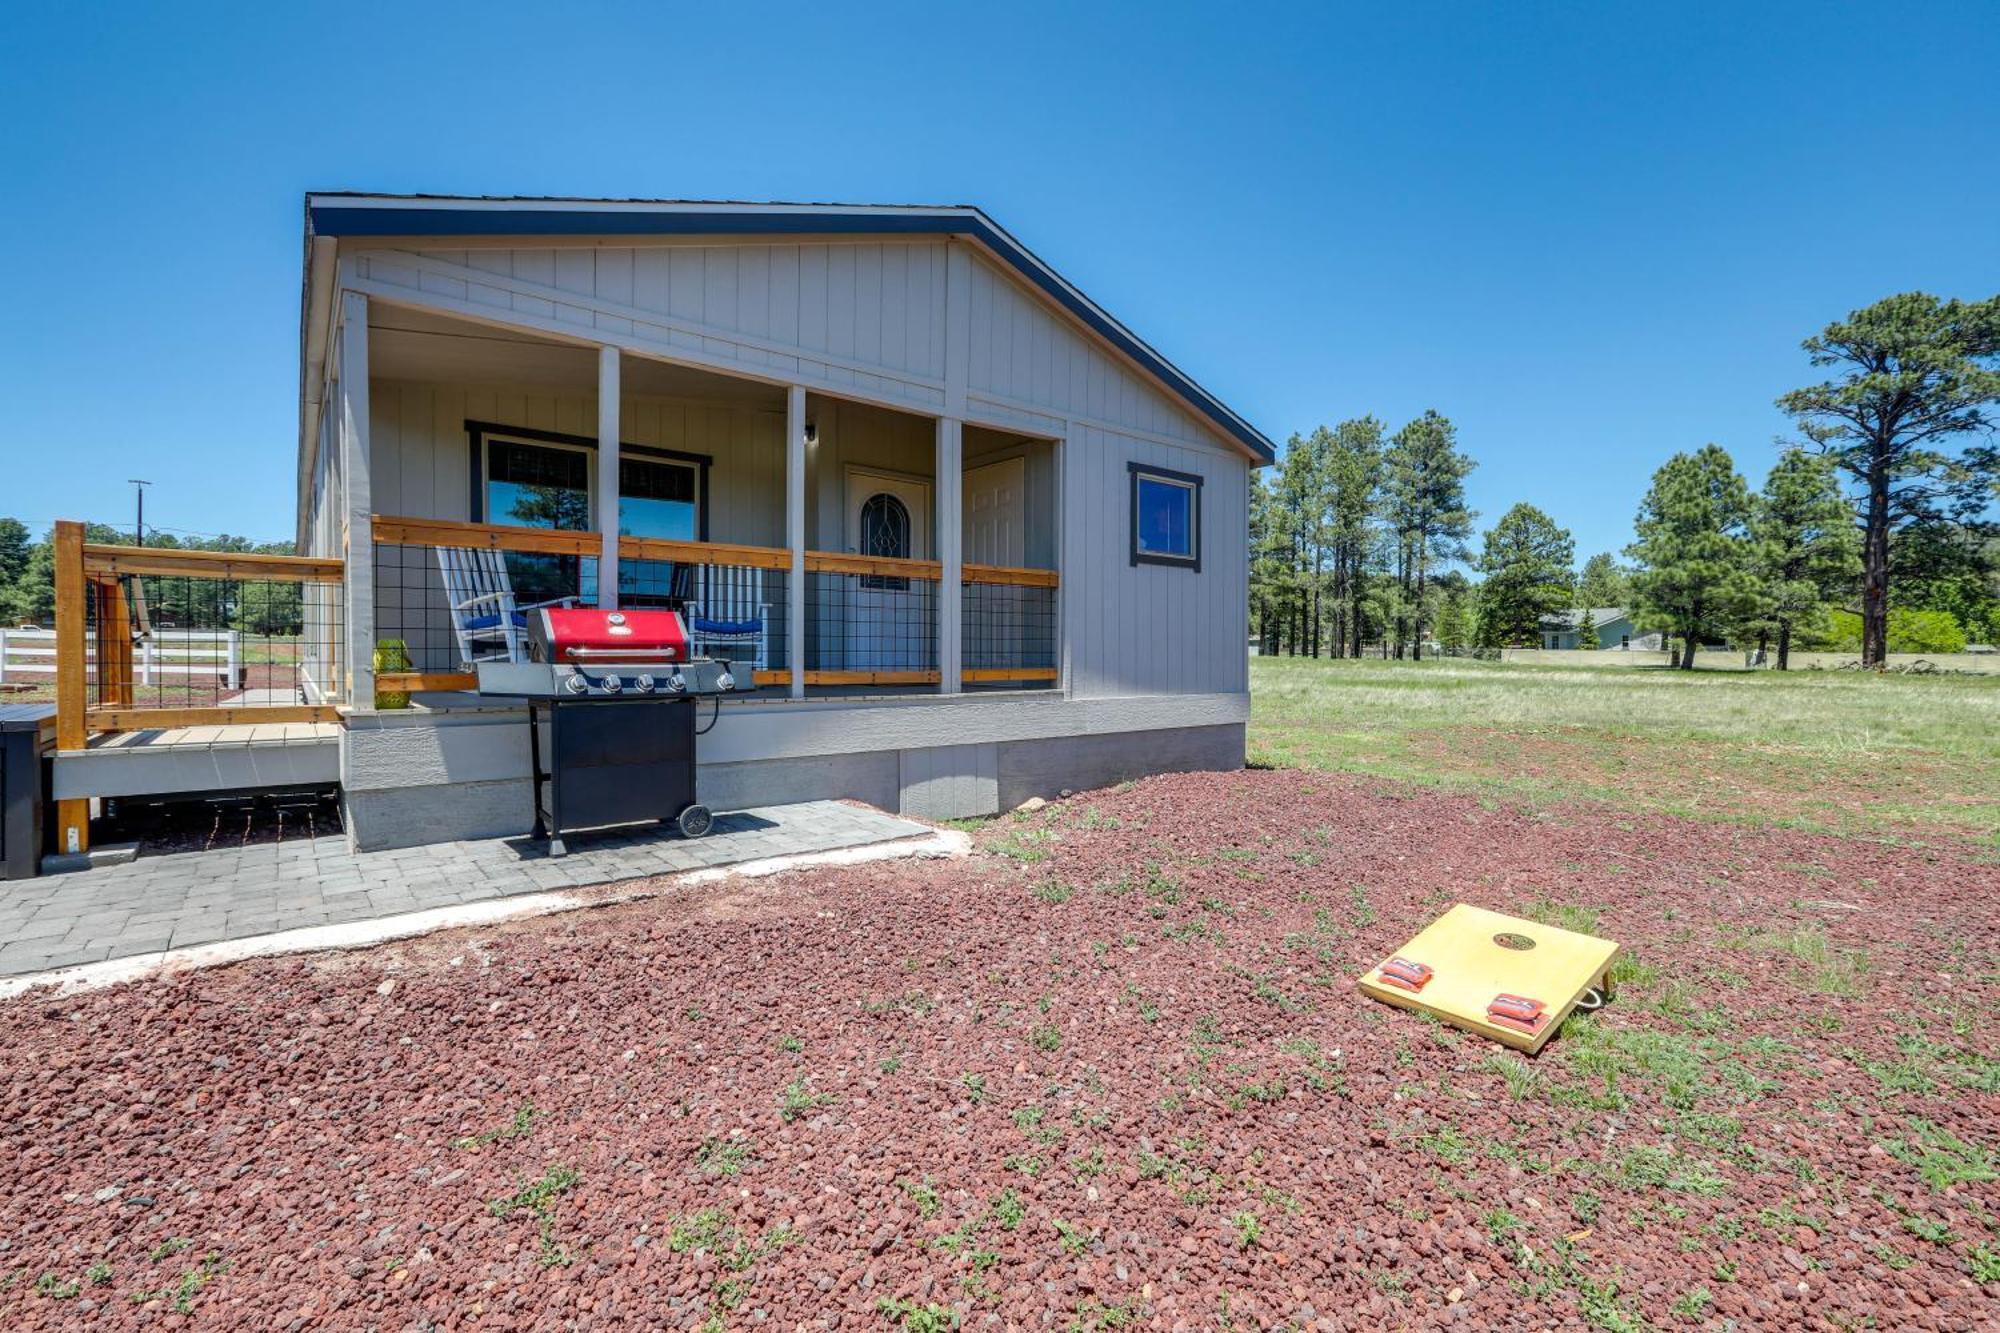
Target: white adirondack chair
729	610
489	625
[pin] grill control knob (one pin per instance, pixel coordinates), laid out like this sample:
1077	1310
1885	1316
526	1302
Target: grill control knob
575	684
676	682
725	681
644	684
612	684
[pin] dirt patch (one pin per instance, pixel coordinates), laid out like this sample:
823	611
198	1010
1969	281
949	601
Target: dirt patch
1110	1072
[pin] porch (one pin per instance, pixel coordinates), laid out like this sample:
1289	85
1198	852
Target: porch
814	532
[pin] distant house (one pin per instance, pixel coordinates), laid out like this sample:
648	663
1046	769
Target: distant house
1614	630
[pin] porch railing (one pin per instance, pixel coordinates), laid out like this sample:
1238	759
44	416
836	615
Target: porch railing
868	621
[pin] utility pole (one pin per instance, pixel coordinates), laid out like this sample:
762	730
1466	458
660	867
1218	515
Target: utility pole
139	527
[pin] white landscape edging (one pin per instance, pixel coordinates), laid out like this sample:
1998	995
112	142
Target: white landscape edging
381	930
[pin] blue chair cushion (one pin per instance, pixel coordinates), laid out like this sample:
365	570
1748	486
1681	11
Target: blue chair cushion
493	622
727	626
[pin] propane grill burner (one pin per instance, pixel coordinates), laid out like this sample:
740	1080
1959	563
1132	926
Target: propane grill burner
612	759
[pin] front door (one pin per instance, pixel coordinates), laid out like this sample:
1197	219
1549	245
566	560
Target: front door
891	621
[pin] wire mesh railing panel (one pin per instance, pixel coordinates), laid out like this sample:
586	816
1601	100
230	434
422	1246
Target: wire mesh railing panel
1008	627
873	627
735	612
186	641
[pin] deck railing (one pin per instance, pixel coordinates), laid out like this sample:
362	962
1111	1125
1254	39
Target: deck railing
157	637
868	621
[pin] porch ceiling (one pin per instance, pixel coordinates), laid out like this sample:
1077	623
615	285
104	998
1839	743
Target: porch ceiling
417	345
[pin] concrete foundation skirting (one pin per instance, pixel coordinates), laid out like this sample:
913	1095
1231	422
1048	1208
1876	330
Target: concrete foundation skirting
408	782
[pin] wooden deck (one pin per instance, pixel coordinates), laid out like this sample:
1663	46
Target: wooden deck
172	760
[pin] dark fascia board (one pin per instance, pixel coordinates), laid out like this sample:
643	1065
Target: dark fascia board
337	215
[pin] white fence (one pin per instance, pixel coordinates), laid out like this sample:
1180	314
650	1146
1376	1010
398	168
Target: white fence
166	654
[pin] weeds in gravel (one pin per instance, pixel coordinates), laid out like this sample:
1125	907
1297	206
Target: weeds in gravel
1828	970
1054	891
58	1289
179	1294
1985	1263
1943	1160
1652	1167
98	1274
539	1201
519	1127
1093	1316
923	1194
1008	1210
1247	1228
796	1100
711	1232
1046	1037
1564	916
171	1246
975	1087
1524	1081
916	1318
724	1157
1923	1228
1074	1239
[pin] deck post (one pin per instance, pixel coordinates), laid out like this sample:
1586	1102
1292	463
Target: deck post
950	544
795	535
73	816
358	576
607	474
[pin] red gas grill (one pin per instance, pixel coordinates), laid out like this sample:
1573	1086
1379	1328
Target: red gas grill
615	691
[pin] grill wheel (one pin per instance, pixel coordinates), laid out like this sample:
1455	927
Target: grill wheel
695	821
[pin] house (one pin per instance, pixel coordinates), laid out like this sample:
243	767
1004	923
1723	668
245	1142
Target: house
1614	630
988	542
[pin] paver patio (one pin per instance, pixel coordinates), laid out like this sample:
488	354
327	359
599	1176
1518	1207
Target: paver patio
184	899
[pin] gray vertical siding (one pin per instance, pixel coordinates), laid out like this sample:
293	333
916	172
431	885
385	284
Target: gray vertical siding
1152	629
862	324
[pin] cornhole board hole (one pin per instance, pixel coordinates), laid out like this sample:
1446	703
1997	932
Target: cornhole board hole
1475	956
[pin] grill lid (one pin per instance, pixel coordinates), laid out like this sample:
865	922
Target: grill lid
582	634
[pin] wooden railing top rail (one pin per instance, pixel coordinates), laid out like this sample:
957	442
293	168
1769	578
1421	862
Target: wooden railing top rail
704	553
1011	576
108	562
396	531
393	531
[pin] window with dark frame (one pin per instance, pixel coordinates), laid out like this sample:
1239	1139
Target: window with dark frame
543	479
1166	517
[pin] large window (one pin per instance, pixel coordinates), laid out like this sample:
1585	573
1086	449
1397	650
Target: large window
1166	517
535	479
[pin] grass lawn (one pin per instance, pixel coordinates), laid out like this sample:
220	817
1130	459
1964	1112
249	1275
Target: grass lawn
1908	757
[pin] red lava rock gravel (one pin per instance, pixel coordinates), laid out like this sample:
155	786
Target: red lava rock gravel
1110	1072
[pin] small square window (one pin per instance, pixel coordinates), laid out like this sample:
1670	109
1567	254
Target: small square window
1166	517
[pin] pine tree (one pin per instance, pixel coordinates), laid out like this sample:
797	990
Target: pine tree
1527	563
1806	546
1586	629
1916	372
1425	510
1695	577
1603	582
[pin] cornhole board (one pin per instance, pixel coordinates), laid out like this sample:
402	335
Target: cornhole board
1469	967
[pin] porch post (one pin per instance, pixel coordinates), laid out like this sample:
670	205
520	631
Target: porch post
795	535
607	475
950	540
358	575
72	685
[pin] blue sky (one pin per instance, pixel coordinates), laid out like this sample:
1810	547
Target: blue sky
1592	234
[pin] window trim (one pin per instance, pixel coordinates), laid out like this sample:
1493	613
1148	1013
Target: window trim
1187	480
480	433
